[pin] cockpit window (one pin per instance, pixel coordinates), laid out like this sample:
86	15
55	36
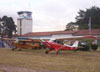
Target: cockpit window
57	41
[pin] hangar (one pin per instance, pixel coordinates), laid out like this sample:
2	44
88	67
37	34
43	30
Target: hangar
58	34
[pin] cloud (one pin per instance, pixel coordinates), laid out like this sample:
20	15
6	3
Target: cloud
47	15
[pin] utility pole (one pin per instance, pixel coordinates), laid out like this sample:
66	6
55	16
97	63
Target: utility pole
89	25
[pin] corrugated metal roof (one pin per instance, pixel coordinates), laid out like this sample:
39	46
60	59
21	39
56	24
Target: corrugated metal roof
86	32
76	33
46	33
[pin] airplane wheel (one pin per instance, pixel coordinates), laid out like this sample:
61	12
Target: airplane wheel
58	52
76	50
13	49
46	52
19	50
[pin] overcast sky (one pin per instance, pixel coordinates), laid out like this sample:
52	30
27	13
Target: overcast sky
48	15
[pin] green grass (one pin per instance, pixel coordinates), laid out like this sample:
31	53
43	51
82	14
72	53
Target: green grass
66	61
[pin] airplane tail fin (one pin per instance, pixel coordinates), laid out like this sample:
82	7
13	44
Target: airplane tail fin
75	44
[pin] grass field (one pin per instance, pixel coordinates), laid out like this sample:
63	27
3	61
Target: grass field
67	61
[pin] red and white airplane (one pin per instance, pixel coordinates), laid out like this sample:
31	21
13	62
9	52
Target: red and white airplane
57	45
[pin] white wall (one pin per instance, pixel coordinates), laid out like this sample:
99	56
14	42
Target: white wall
35	37
62	36
57	36
18	27
26	26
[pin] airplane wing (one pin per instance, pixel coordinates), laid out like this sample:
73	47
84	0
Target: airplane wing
8	39
25	40
88	37
39	39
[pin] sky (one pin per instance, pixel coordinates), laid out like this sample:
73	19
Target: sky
47	15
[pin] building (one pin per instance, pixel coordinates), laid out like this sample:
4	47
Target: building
24	22
59	34
94	32
47	35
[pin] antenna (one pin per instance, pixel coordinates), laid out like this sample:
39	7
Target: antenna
29	5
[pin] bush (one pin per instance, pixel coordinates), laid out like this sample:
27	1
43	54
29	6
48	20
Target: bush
94	47
84	48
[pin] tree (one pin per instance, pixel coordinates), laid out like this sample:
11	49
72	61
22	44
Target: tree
0	27
82	19
71	26
8	26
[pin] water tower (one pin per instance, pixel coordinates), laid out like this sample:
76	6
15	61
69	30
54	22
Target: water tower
24	22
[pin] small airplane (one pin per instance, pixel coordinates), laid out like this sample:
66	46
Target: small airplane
54	45
57	45
24	44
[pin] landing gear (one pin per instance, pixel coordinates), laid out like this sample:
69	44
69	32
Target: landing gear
13	48
46	52
20	50
76	50
58	52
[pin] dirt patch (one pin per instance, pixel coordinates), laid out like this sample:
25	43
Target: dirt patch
4	68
